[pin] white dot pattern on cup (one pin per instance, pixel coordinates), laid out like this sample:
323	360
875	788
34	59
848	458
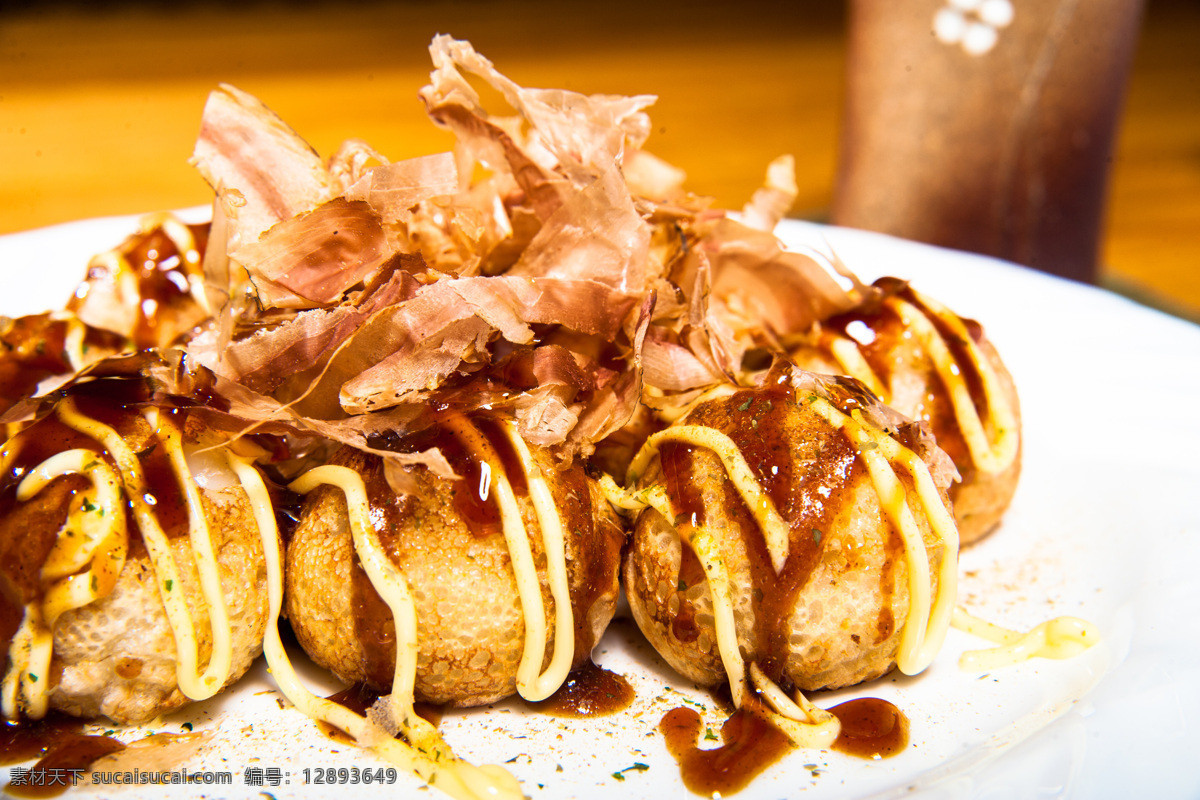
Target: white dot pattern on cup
974	25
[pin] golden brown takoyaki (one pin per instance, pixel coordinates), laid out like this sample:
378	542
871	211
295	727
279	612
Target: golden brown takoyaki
481	556
797	528
931	365
131	568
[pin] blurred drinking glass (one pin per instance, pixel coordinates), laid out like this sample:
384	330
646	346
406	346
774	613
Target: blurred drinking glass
985	125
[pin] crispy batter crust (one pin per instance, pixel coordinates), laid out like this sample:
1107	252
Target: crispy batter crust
469	621
843	624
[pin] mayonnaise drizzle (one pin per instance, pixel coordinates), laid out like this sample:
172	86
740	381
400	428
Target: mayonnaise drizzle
191	682
1059	638
775	530
94	532
200	538
928	618
554	545
25	683
74	342
94	535
927	622
532	684
988	456
429	756
846	353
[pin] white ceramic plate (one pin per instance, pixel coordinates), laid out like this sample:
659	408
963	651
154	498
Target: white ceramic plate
1105	526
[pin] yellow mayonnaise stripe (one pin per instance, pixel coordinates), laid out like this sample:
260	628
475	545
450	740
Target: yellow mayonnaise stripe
941	521
775	530
26	683
115	264
73	343
620	498
175	229
388	581
708	553
529	589
553	542
894	500
96	535
84	530
221	659
673	414
35	682
805	723
846	352
926	622
989	457
18	661
93	533
158	548
1061	637
652	495
454	777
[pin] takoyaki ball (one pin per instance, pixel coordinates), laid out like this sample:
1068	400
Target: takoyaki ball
906	348
447	542
833	615
114	648
150	288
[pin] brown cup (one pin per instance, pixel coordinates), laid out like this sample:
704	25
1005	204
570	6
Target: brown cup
985	125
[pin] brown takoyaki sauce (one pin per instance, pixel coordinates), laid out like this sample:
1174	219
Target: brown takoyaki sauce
33	348
676	459
504	450
683	490
871	728
64	751
162	483
162	274
596	547
806	492
598	542
749	746
683	623
473	496
888	328
35	739
474	499
29	530
589	691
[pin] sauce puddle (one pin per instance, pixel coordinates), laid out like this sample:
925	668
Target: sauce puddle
65	754
750	746
589	691
871	728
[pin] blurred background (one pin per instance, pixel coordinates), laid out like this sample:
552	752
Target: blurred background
100	102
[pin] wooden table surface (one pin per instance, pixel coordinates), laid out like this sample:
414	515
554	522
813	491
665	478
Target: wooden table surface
99	108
